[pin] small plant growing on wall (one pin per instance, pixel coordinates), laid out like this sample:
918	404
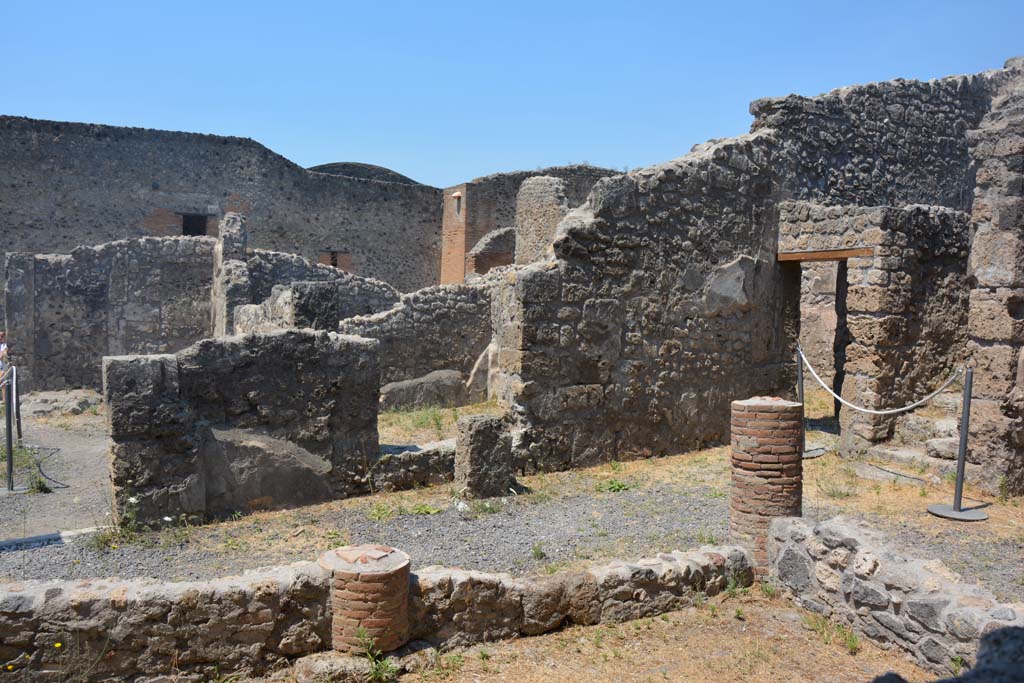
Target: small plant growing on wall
382	669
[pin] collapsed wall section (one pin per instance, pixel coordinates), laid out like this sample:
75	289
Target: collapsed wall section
315	305
664	303
242	423
446	327
64	313
474	209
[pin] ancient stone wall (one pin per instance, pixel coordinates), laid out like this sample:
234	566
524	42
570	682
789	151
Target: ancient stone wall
473	209
665	301
906	303
818	316
540	206
315	305
663	304
849	573
119	630
890	143
112	629
437	328
69	184
495	249
65	312
241	423
997	298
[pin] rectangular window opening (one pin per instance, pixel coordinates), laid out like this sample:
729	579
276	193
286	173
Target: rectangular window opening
193	224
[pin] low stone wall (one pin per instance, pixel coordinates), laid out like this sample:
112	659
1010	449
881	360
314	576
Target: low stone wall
847	572
189	429
437	328
111	629
142	630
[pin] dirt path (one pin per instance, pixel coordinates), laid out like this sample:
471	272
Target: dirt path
72	454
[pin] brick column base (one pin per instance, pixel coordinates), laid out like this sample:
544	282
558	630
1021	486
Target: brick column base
767	471
369	590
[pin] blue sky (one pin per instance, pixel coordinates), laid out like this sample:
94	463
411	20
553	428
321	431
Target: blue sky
444	92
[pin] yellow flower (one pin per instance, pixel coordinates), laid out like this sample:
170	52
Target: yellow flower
57	644
10	667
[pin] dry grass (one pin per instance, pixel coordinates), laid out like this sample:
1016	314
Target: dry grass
749	638
427	424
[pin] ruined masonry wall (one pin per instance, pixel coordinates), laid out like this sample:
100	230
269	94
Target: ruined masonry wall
132	296
907	304
438	328
188	429
848	573
889	143
635	340
315	305
251	623
540	206
997	300
103	183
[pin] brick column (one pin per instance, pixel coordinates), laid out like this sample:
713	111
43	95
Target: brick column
370	590
767	471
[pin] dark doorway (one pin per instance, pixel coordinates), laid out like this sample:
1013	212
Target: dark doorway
193	224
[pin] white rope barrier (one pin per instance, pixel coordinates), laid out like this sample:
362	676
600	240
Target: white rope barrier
891	411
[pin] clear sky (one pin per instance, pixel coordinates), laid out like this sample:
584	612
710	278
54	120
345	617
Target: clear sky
445	92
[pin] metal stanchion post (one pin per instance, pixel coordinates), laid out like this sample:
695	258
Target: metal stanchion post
17	400
956	511
9	419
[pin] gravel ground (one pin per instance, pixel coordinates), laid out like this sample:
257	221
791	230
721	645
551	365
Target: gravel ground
522	537
73	455
528	534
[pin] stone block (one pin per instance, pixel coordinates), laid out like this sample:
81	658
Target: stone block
441	388
483	457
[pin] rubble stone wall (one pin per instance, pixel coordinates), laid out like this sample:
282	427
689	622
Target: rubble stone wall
138	630
996	321
315	305
69	184
906	304
847	572
663	304
474	209
130	630
242	423
65	312
438	328
540	206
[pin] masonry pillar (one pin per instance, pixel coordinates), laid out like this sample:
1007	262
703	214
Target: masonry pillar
369	590
767	471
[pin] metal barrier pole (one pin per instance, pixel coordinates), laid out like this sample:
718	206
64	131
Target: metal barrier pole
17	400
956	511
9	419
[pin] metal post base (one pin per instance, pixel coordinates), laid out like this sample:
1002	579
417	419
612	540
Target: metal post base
965	515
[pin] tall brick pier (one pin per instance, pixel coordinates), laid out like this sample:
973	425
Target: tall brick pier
767	471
